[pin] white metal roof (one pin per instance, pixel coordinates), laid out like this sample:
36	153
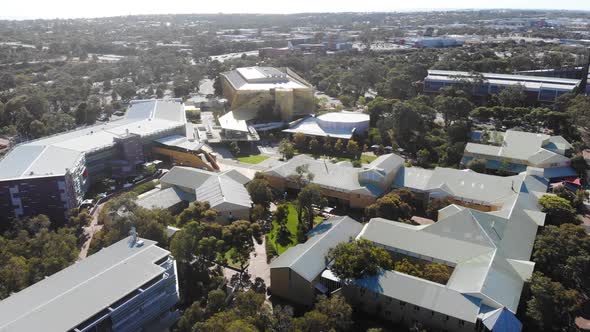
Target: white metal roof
308	259
54	154
524	146
67	298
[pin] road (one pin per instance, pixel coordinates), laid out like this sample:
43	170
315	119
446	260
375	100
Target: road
90	230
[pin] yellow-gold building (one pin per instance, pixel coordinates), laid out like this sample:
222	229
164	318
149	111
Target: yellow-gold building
255	88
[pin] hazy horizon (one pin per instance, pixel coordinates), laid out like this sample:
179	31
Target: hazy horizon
108	8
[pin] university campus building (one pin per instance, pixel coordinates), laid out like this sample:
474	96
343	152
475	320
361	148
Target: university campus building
519	150
341	184
485	238
249	90
51	175
129	286
181	186
537	88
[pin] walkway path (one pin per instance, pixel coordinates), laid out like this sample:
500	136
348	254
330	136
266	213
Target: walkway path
89	232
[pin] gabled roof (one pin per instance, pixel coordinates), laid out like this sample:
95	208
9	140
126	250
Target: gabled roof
221	191
165	198
340	177
308	259
224	191
536	149
423	293
186	177
502	320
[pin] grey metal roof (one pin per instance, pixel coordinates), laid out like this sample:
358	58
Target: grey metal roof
490	251
54	154
181	142
340	177
525	147
186	177
165	198
67	298
220	190
308	259
423	293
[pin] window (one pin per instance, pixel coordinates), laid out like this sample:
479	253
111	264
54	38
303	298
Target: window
387	313
363	291
461	323
446	317
402	303
416	308
388	300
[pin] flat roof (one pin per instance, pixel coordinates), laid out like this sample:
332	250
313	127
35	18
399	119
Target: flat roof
67	298
54	155
450	74
264	78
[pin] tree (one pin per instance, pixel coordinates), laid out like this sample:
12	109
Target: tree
423	158
215	301
437	272
558	210
563	253
453	108
286	149
260	191
281	217
37	129
391	206
338	146
579	164
477	165
551	305
314	145
513	96
337	310
353	148
435	205
407	267
197	211
234	148
299	141
307	198
358	259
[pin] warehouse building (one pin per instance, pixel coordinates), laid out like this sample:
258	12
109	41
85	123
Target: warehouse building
129	286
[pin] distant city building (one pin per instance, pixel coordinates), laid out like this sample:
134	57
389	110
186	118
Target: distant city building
51	175
181	186
430	42
518	150
537	89
343	185
334	125
131	285
279	92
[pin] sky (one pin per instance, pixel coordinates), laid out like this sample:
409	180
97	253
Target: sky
28	9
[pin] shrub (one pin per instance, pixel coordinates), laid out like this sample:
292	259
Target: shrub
270	249
144	187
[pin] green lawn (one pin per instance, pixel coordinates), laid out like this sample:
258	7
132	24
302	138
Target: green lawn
367	159
292	223
253	159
